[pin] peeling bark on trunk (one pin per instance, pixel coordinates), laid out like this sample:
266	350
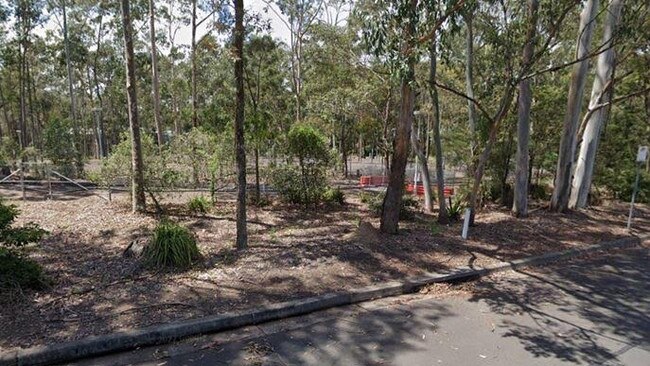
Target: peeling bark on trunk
520	202
393	199
137	176
564	171
584	170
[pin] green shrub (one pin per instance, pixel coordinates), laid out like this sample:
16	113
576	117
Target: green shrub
334	195
172	245
308	145
198	205
455	210
539	192
262	201
409	205
366	197
293	187
62	155
20	236
16	271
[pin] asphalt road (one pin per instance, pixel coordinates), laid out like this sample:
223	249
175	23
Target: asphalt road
589	311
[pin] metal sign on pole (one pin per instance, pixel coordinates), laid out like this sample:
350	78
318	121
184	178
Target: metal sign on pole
641	158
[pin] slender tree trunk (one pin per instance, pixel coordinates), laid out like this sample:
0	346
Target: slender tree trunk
257	174
30	100
155	80
386	119
584	170
73	105
343	147
443	216
506	169
238	37
299	80
23	97
520	203
101	138
469	84
424	168
393	199
506	101
5	113
195	121
562	186
137	166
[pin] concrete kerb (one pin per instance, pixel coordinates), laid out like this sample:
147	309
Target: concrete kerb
126	340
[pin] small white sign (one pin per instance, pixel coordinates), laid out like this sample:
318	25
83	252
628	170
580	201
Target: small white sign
642	155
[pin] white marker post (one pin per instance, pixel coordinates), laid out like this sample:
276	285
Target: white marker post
641	158
468	214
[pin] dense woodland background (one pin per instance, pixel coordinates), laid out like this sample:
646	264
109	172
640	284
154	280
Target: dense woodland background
352	73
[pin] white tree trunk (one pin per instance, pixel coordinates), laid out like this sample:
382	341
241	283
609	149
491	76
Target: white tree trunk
155	80
469	83
520	203
600	93
424	168
562	186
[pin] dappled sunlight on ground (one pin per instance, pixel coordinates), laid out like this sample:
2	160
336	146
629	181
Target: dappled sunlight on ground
294	252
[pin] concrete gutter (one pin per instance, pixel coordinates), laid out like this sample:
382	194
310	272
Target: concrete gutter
161	334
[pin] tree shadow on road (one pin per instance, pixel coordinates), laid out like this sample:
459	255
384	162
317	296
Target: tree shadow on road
582	314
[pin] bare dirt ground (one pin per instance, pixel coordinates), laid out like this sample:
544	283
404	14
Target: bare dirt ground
294	252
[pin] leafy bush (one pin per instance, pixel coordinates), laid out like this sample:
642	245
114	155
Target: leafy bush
17	271
308	145
20	236
62	154
172	245
334	195
198	205
262	201
295	188
9	149
409	205
539	192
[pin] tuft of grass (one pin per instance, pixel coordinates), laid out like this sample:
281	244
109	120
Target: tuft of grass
172	245
334	195
455	210
198	205
435	228
366	197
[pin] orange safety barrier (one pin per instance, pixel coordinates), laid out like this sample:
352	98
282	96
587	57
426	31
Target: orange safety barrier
449	191
373	180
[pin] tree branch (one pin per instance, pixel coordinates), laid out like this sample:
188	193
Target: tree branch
427	37
465	96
